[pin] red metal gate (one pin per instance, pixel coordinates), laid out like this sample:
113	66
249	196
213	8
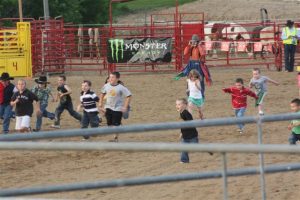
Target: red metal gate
57	47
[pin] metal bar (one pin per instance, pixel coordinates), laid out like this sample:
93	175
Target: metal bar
20	10
153	147
148	127
261	162
145	180
224	175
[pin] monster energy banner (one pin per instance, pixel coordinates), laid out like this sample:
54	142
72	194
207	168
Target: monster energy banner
139	50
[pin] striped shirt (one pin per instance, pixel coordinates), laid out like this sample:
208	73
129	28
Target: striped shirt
88	101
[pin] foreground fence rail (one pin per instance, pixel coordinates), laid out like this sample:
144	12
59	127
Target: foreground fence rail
13	142
148	127
146	180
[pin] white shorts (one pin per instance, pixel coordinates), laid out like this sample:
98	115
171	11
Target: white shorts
22	122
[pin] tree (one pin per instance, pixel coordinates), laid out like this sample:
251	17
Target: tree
68	9
9	9
75	11
94	11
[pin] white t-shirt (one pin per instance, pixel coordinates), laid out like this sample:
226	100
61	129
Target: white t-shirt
115	95
194	91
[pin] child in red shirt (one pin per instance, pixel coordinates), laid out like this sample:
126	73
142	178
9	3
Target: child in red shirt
239	99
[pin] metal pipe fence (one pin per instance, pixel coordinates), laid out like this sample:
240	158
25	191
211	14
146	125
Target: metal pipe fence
146	180
148	127
153	147
9	142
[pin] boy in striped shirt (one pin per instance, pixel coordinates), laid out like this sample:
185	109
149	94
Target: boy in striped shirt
88	101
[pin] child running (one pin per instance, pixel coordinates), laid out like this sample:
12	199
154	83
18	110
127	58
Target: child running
294	126
42	92
23	100
65	102
239	99
260	84
188	135
88	100
195	98
117	101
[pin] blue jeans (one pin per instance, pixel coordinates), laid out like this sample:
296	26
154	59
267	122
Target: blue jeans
294	138
45	113
240	113
91	119
69	107
6	113
289	56
184	157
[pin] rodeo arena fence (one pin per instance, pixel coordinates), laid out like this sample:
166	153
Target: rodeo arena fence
156	46
18	142
38	46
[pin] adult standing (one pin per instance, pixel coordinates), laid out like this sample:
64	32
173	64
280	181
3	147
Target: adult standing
5	97
289	38
196	61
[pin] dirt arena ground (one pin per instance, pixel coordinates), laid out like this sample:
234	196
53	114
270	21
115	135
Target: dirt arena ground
227	10
154	98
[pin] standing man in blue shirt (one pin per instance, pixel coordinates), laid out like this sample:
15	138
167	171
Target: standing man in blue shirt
289	36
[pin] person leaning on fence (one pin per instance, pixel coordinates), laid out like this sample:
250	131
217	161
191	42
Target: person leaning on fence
88	101
65	102
23	100
289	36
294	126
42	91
196	61
5	97
117	101
239	99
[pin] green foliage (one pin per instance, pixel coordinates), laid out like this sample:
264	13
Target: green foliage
94	11
81	11
68	9
75	11
142	5
9	8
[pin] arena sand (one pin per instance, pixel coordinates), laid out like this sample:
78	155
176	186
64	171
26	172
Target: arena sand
154	98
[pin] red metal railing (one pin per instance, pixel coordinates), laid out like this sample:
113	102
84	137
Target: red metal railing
57	47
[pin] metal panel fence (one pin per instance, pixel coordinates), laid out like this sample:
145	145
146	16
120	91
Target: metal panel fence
8	142
59	47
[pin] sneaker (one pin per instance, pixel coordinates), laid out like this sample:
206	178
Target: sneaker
240	130
35	130
114	140
261	113
55	126
181	162
86	137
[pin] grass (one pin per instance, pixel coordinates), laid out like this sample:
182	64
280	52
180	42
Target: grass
142	5
152	4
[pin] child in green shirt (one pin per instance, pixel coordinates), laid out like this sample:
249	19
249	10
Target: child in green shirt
294	126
